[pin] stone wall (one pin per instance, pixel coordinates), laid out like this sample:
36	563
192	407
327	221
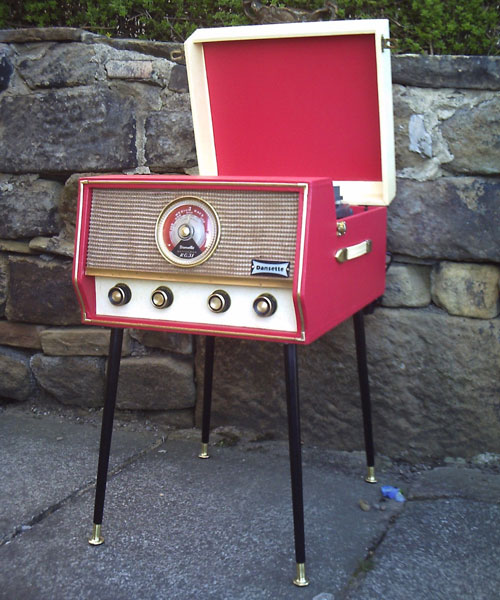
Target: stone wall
73	103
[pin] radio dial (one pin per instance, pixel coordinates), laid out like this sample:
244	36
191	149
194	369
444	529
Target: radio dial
265	305
162	297
119	294
219	301
187	231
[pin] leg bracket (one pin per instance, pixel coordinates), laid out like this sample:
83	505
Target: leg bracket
301	579
96	539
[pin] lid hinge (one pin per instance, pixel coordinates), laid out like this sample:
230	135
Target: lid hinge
388	43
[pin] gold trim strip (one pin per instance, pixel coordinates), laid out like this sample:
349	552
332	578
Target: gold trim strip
301	258
184	329
76	258
195	182
261	282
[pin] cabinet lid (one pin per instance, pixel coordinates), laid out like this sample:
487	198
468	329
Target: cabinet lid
300	99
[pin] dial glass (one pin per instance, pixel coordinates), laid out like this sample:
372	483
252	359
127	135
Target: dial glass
187	231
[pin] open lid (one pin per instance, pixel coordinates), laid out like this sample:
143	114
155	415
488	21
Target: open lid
300	99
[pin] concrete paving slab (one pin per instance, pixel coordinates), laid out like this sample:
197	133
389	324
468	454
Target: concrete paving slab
45	460
457	482
181	528
178	527
446	549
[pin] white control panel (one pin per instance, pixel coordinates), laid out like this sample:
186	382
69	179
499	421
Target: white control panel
191	303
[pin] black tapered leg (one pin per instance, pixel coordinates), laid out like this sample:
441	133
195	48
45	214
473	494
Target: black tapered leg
207	395
292	398
364	388
115	350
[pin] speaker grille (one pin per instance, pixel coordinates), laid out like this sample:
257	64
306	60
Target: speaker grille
254	224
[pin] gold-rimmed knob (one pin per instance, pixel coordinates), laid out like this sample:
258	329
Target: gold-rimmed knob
265	305
162	297
119	294
219	301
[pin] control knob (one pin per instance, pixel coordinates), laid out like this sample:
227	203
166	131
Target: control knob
119	294
162	297
265	305
219	301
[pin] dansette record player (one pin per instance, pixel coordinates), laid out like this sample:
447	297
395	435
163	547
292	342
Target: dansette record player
281	236
288	119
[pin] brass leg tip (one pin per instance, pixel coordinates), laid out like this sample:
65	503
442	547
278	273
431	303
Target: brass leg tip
370	475
96	539
204	451
301	579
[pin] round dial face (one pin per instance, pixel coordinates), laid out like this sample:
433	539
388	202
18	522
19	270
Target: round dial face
187	231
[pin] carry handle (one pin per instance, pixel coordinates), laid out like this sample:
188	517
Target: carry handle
350	252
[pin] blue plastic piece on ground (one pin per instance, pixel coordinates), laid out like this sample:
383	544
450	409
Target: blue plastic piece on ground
388	491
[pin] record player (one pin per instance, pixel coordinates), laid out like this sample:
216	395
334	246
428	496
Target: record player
282	235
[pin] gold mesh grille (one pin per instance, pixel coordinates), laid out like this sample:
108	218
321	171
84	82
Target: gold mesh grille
255	224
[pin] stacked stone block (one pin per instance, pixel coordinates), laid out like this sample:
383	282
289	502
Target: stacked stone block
73	104
434	342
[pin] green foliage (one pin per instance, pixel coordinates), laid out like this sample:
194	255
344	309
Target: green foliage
442	27
364	566
432	26
154	19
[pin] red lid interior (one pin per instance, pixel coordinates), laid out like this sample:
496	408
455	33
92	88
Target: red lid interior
296	106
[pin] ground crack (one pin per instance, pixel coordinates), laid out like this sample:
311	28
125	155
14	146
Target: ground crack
366	564
44	514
